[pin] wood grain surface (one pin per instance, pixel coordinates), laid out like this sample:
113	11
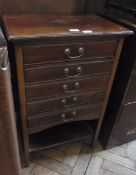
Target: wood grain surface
27	27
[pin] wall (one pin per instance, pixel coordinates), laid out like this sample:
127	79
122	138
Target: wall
42	6
51	6
95	6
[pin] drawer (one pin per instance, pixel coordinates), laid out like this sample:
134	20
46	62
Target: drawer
127	114
65	71
45	120
52	89
36	53
123	134
38	106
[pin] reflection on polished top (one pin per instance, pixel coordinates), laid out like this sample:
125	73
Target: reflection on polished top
23	27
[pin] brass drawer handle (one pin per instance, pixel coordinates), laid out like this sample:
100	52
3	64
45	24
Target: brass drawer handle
64	101
65	117
80	51
74	113
78	70
75	99
130	132
76	87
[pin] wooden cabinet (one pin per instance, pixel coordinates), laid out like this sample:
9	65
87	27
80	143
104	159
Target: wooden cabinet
119	125
65	68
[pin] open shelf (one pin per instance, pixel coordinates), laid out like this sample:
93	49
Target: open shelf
60	135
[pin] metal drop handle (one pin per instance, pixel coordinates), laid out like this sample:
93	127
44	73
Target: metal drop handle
80	51
75	99
65	88
78	70
64	101
65	117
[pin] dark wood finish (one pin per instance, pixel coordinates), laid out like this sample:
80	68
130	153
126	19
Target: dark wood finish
37	106
118	92
130	94
119	122
109	87
44	90
66	71
43	27
126	110
122	11
22	99
9	151
43	121
123	134
40	54
40	77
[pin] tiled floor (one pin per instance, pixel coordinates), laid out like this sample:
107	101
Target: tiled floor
79	159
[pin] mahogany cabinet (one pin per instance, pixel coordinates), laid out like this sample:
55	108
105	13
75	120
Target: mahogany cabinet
9	152
71	7
119	125
65	70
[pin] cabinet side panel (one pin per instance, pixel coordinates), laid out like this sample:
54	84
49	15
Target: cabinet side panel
22	100
117	56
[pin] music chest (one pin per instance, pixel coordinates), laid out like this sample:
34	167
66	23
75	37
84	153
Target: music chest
65	69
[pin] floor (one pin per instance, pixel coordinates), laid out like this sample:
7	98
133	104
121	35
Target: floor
79	159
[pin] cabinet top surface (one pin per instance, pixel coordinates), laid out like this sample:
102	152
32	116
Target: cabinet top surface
26	27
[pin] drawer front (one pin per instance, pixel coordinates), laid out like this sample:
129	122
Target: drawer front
65	71
127	114
36	54
45	90
123	134
45	120
38	106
